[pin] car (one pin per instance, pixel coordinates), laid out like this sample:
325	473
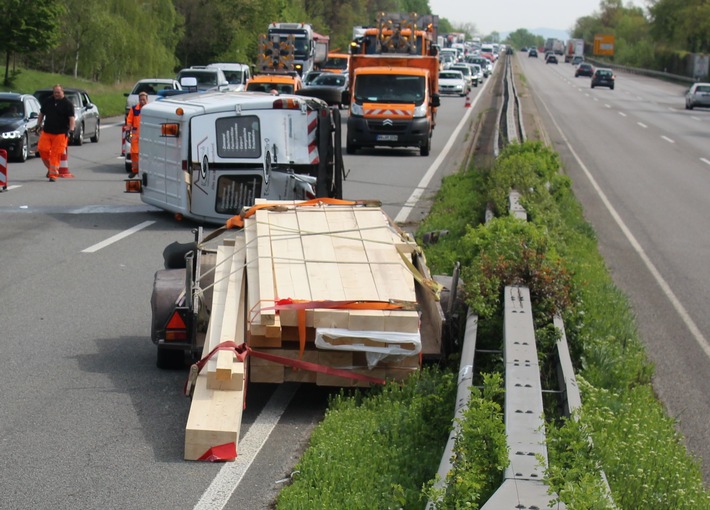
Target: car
697	95
467	73
237	74
310	76
153	87
87	121
337	83
603	77
551	59
584	69
206	78
486	64
576	60
452	81
478	71
532	53
18	120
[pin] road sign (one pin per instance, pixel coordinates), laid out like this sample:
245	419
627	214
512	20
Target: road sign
604	44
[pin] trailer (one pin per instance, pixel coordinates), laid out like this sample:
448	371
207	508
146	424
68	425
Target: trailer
327	292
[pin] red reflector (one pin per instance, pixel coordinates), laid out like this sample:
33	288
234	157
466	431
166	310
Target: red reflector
175	336
286	104
176	322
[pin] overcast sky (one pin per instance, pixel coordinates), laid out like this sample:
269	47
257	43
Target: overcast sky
510	15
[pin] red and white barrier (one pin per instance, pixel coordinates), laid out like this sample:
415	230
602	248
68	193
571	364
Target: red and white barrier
3	169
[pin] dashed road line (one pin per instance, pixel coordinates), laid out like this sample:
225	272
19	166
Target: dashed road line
667	139
642	125
117	237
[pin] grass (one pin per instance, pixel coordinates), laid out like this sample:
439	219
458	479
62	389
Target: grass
109	98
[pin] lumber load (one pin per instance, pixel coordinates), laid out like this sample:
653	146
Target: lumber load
212	429
335	285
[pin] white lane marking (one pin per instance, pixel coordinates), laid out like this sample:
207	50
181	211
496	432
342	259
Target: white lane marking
13	186
622	114
642	125
706	161
117	237
422	186
229	477
665	288
667	139
607	105
695	118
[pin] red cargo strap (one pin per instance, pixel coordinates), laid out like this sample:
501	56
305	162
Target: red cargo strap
243	350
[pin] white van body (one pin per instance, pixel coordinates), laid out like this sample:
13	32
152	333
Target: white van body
207	155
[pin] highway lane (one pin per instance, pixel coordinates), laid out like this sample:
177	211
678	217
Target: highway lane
87	420
639	162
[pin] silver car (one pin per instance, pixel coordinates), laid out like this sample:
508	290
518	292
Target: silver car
87	122
697	95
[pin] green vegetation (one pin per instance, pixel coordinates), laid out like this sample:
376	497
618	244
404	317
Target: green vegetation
364	449
109	98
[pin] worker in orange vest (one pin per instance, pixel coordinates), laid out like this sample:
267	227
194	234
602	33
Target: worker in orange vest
133	124
56	122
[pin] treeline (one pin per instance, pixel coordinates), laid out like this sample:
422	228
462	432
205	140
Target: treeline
661	37
114	40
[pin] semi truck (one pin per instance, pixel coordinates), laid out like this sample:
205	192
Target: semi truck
394	80
310	48
574	48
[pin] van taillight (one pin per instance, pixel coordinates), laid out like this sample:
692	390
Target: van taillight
287	104
172	130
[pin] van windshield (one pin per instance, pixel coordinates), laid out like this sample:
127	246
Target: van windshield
390	88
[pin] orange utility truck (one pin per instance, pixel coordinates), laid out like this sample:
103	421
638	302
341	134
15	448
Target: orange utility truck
394	77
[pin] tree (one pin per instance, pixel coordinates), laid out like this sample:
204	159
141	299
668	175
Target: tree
26	26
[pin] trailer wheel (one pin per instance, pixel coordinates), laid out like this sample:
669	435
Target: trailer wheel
170	359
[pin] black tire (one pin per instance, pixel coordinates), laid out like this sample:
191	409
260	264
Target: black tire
79	135
689	106
97	133
612	87
170	359
425	149
23	150
350	148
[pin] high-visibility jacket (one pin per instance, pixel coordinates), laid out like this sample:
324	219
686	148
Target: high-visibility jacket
133	121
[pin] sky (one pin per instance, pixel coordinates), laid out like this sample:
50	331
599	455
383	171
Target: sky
509	15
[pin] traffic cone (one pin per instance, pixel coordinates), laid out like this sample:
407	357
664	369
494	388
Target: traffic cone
468	100
3	169
64	166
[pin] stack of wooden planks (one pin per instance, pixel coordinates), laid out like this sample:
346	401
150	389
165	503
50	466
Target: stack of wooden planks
333	285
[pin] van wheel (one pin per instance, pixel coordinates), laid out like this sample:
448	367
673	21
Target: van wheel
350	148
426	148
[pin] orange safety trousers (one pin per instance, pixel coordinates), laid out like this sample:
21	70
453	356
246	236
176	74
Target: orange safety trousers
51	147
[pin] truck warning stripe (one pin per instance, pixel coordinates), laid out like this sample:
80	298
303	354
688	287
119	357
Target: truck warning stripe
312	138
388	112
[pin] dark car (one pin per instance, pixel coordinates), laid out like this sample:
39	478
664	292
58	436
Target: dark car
584	69
532	53
331	87
551	59
603	78
86	113
18	120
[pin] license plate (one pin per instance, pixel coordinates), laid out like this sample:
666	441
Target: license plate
386	138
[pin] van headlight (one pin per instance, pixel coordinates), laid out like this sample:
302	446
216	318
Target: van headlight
420	111
357	109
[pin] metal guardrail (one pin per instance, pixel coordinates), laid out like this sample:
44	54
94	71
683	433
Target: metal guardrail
643	72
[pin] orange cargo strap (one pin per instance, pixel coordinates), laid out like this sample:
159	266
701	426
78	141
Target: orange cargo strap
238	220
